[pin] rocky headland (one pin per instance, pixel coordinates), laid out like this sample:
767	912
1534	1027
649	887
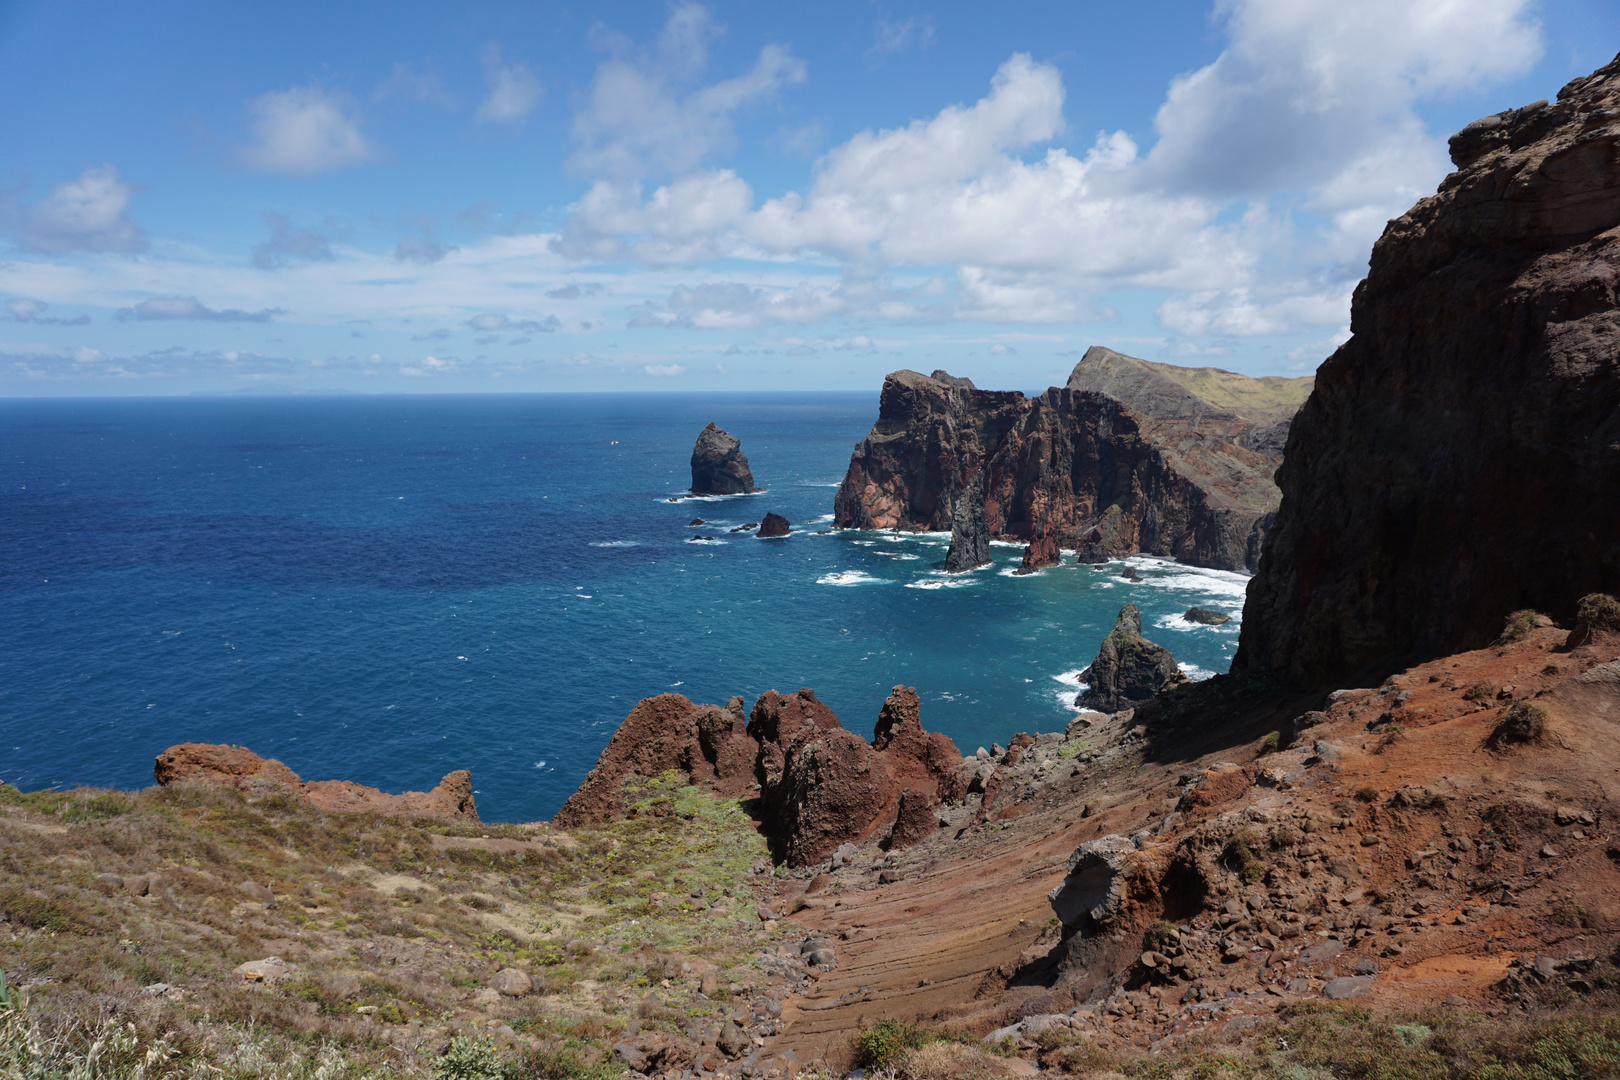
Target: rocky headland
1294	870
1460	455
719	467
1130	456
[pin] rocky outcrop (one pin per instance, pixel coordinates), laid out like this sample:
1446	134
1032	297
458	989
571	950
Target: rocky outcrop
238	767
819	784
719	467
1129	456
970	534
1129	669
1041	552
773	525
1206	617
1460	456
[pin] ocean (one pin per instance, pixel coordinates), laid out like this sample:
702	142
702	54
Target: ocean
384	589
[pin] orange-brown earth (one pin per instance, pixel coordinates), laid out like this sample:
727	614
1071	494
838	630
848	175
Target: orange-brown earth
1396	837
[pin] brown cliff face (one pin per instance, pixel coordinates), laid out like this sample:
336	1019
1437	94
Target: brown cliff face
241	768
1460	456
820	785
1129	456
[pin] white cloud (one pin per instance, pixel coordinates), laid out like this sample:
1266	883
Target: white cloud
645	117
288	245
491	323
187	307
898	35
304	130
33	311
513	90
422	249
1312	104
87	213
86	355
664	370
405	84
999	349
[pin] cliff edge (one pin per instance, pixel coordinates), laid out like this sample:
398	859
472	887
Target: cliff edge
1129	456
1460	455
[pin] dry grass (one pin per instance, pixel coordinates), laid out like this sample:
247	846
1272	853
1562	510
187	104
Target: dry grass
374	917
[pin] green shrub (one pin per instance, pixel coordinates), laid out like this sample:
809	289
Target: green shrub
883	1044
1518	626
1270	744
1522	723
1600	610
470	1057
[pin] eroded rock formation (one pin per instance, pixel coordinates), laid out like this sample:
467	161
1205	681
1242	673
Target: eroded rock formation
970	534
1460	456
773	525
819	784
241	768
1129	456
1129	669
719	467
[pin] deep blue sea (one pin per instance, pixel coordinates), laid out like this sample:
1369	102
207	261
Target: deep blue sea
383	589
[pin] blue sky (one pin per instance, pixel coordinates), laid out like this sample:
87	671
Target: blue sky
547	196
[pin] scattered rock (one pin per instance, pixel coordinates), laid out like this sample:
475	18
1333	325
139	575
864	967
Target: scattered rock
270	970
257	891
1347	987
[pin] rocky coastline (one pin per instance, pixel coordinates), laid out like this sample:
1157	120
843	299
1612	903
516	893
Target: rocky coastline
1384	842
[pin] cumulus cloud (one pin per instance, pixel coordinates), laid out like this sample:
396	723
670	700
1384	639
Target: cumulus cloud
663	370
513	90
87	213
304	130
288	245
1311	105
187	307
999	349
33	311
645	116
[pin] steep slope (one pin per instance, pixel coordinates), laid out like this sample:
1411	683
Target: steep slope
1460	456
1128	456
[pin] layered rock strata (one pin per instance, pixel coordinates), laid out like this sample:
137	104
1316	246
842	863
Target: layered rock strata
1129	456
1129	669
1460	456
820	785
719	467
451	800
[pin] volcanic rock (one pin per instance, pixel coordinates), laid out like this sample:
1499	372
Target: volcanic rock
1460	456
1206	617
773	525
1129	669
451	800
970	534
1096	887
719	467
820	785
1042	551
1129	456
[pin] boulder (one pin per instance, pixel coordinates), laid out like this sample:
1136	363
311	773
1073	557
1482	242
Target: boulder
970	530
719	467
834	789
1206	617
270	970
510	982
1093	894
773	525
656	1053
1128	669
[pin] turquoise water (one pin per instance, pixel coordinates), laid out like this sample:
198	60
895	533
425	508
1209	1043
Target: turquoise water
383	589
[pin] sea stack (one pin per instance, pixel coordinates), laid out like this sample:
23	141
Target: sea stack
773	525
719	467
1129	669
970	533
